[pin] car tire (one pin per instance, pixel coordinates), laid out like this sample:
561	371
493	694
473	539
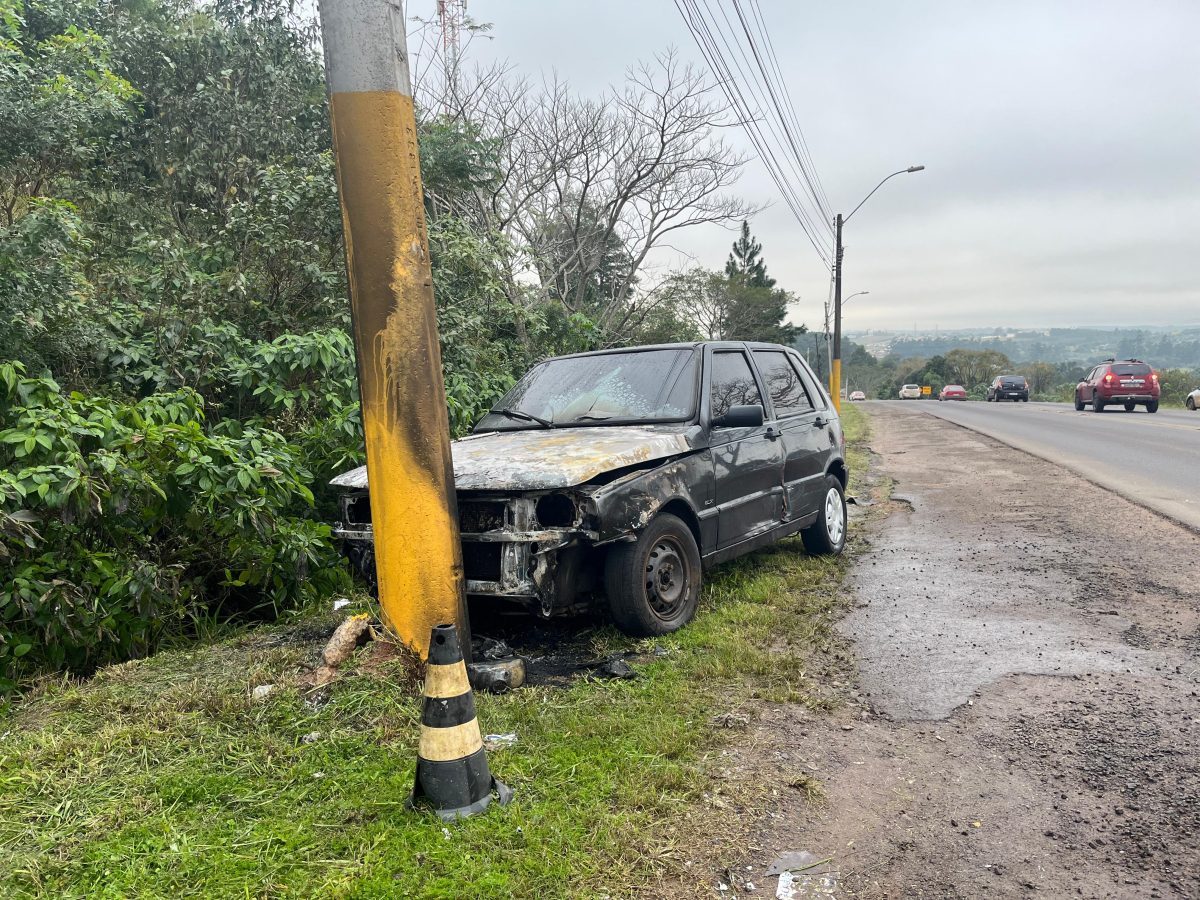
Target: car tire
653	583
1078	402
1190	403
1152	406
1129	407
1024	399
1097	403
827	535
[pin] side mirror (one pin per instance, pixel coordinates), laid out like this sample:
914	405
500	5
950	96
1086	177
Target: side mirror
741	417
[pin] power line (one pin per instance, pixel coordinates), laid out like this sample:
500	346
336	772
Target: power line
756	91
765	33
750	111
709	49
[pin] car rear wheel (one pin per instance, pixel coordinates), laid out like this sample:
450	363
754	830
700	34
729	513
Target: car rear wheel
1097	403
653	584
1078	402
1129	407
1152	406
827	535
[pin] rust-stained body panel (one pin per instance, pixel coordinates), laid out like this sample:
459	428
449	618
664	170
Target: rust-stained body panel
541	459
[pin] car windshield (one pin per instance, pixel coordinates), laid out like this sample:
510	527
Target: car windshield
605	388
1131	369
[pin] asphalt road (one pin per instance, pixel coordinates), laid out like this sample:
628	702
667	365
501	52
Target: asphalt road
1153	460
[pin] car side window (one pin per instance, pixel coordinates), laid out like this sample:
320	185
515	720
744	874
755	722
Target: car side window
816	391
732	382
788	394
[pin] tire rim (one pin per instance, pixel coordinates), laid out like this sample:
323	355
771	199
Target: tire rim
835	517
668	579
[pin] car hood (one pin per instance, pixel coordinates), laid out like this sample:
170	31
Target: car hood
545	459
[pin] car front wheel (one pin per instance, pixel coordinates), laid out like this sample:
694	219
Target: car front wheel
1190	404
1078	402
653	584
827	535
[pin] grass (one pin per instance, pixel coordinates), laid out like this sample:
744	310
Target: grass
162	778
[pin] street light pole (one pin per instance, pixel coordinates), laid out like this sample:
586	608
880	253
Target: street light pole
835	367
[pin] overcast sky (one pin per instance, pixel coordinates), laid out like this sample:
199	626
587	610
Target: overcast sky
1061	139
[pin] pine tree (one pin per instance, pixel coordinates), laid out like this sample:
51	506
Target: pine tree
745	261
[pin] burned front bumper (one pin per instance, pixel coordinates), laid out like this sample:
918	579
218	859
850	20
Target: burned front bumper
525	548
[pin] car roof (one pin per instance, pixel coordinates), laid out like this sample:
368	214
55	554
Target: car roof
686	345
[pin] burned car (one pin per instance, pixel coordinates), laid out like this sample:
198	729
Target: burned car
623	474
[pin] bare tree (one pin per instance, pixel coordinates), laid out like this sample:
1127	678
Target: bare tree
584	190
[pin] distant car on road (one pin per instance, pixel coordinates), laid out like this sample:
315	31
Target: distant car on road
857	395
910	392
1008	387
1124	382
1193	400
953	392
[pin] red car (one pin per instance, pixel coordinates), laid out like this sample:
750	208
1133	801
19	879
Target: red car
1119	382
953	392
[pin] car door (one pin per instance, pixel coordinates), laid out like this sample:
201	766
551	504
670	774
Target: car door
1089	386
801	428
747	462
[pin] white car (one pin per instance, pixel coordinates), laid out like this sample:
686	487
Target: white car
857	395
1193	400
910	392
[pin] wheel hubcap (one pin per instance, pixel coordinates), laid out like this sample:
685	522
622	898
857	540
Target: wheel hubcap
835	516
667	577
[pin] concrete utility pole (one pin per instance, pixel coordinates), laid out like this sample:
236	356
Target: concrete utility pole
835	366
418	557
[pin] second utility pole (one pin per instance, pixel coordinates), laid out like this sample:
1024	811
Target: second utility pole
835	367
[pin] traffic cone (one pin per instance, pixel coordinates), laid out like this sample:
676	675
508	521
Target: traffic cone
452	768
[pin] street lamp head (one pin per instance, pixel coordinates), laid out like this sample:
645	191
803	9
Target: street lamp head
915	169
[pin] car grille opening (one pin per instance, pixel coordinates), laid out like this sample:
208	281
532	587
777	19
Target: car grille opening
356	509
481	561
475	516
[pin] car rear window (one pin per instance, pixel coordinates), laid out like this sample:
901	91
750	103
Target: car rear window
1015	381
909	387
1131	369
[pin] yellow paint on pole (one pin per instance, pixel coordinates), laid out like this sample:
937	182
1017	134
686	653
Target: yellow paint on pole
418	557
835	384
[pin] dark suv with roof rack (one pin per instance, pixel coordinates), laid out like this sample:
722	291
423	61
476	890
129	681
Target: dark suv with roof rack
1008	387
1119	382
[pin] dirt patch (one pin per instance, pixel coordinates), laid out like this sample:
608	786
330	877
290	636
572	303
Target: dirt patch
1025	720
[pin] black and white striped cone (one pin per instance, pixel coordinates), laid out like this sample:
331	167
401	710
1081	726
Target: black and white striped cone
452	768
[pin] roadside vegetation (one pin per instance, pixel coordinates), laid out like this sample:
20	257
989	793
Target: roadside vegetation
177	381
162	777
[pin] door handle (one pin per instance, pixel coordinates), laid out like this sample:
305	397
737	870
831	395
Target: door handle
771	433
818	422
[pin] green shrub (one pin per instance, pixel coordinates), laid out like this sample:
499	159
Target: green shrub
121	521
